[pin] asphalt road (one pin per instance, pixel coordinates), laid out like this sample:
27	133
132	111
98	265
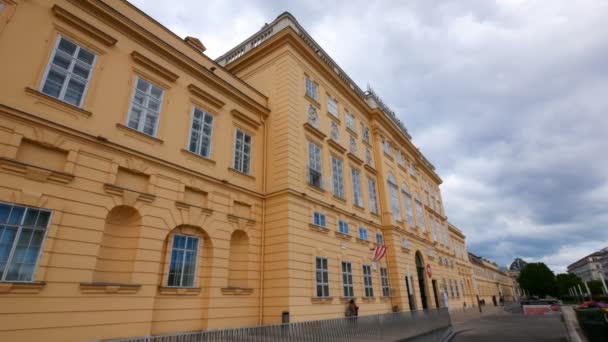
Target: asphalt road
511	327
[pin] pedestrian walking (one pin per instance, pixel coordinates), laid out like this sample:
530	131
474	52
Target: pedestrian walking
352	310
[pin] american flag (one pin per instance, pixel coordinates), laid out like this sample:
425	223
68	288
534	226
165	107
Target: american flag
379	253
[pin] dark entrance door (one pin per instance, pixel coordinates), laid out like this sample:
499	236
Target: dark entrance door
421	282
435	293
410	296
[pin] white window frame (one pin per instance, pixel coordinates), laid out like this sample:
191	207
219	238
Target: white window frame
319	220
380	239
394	198
386	147
332	106
315	164
350	122
144	108
20	227
69	75
407	198
337	177
180	283
322	283
412	170
400	159
405	243
373	200
201	133
343	227
368	285
348	289
386	289
312	89
363	234
365	134
242	152
357	195
419	214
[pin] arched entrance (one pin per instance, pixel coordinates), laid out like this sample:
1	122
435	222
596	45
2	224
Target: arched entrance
421	280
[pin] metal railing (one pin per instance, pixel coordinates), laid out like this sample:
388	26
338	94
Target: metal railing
386	327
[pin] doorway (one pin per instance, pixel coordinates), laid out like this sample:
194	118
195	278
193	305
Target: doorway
421	282
435	293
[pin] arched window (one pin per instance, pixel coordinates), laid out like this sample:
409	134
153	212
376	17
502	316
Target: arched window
188	253
408	205
394	197
116	257
238	267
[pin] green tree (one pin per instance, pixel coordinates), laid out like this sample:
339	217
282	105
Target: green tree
538	279
595	286
565	281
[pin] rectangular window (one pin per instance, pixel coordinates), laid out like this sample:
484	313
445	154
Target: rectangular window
68	72
314	165
371	188
347	280
412	170
332	106
433	230
400	160
200	133
22	232
145	107
387	147
312	89
451	289
420	214
182	268
386	290
405	243
363	234
242	152
394	195
322	277
457	289
379	239
343	227
365	134
337	177
357	197
319	219
350	122
367	281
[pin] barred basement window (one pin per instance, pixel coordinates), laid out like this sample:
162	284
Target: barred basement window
347	280
367	281
22	233
68	72
386	291
182	268
322	277
200	133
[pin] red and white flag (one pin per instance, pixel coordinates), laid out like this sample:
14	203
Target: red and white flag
379	253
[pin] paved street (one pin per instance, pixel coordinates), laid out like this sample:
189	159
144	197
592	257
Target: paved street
510	327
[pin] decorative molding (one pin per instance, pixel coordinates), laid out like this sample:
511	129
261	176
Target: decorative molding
237	291
321	300
19	287
341	149
151	65
53	102
354	158
179	291
364	242
33	172
205	96
315	131
342	236
109	288
241	223
195	43
129	196
29	198
253	123
319	229
370	169
83	26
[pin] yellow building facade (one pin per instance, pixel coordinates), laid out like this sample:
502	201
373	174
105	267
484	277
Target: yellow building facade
147	189
490	283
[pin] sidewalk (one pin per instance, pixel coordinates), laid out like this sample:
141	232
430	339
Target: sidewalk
574	330
460	316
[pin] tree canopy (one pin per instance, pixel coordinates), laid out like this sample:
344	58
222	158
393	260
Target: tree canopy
538	279
565	281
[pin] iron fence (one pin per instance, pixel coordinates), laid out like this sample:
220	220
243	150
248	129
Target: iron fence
385	327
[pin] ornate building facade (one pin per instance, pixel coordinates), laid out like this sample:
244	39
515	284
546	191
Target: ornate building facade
147	189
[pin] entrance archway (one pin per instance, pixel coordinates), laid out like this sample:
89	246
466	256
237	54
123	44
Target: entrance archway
421	280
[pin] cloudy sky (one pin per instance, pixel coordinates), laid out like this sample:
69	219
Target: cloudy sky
508	98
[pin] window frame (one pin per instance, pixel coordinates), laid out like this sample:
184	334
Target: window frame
407	198
313	86
368	284
373	199
142	119
348	288
337	177
324	270
356	184
350	121
363	234
334	103
199	145
318	159
343	227
196	257
321	217
69	72
384	282
393	192
405	243
234	151
419	213
20	226
379	239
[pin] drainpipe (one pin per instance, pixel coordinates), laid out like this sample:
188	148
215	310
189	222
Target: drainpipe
263	225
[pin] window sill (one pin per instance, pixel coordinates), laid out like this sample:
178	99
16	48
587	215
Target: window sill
194	156
370	169
179	291
237	291
321	300
21	287
315	188
352	132
334	117
319	229
109	288
53	102
239	173
402	167
367	143
388	156
336	145
364	242
369	299
314	131
354	158
312	100
347	299
405	249
342	236
139	135
358	207
340	199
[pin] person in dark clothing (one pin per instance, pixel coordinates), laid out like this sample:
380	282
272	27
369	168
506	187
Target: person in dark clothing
352	310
